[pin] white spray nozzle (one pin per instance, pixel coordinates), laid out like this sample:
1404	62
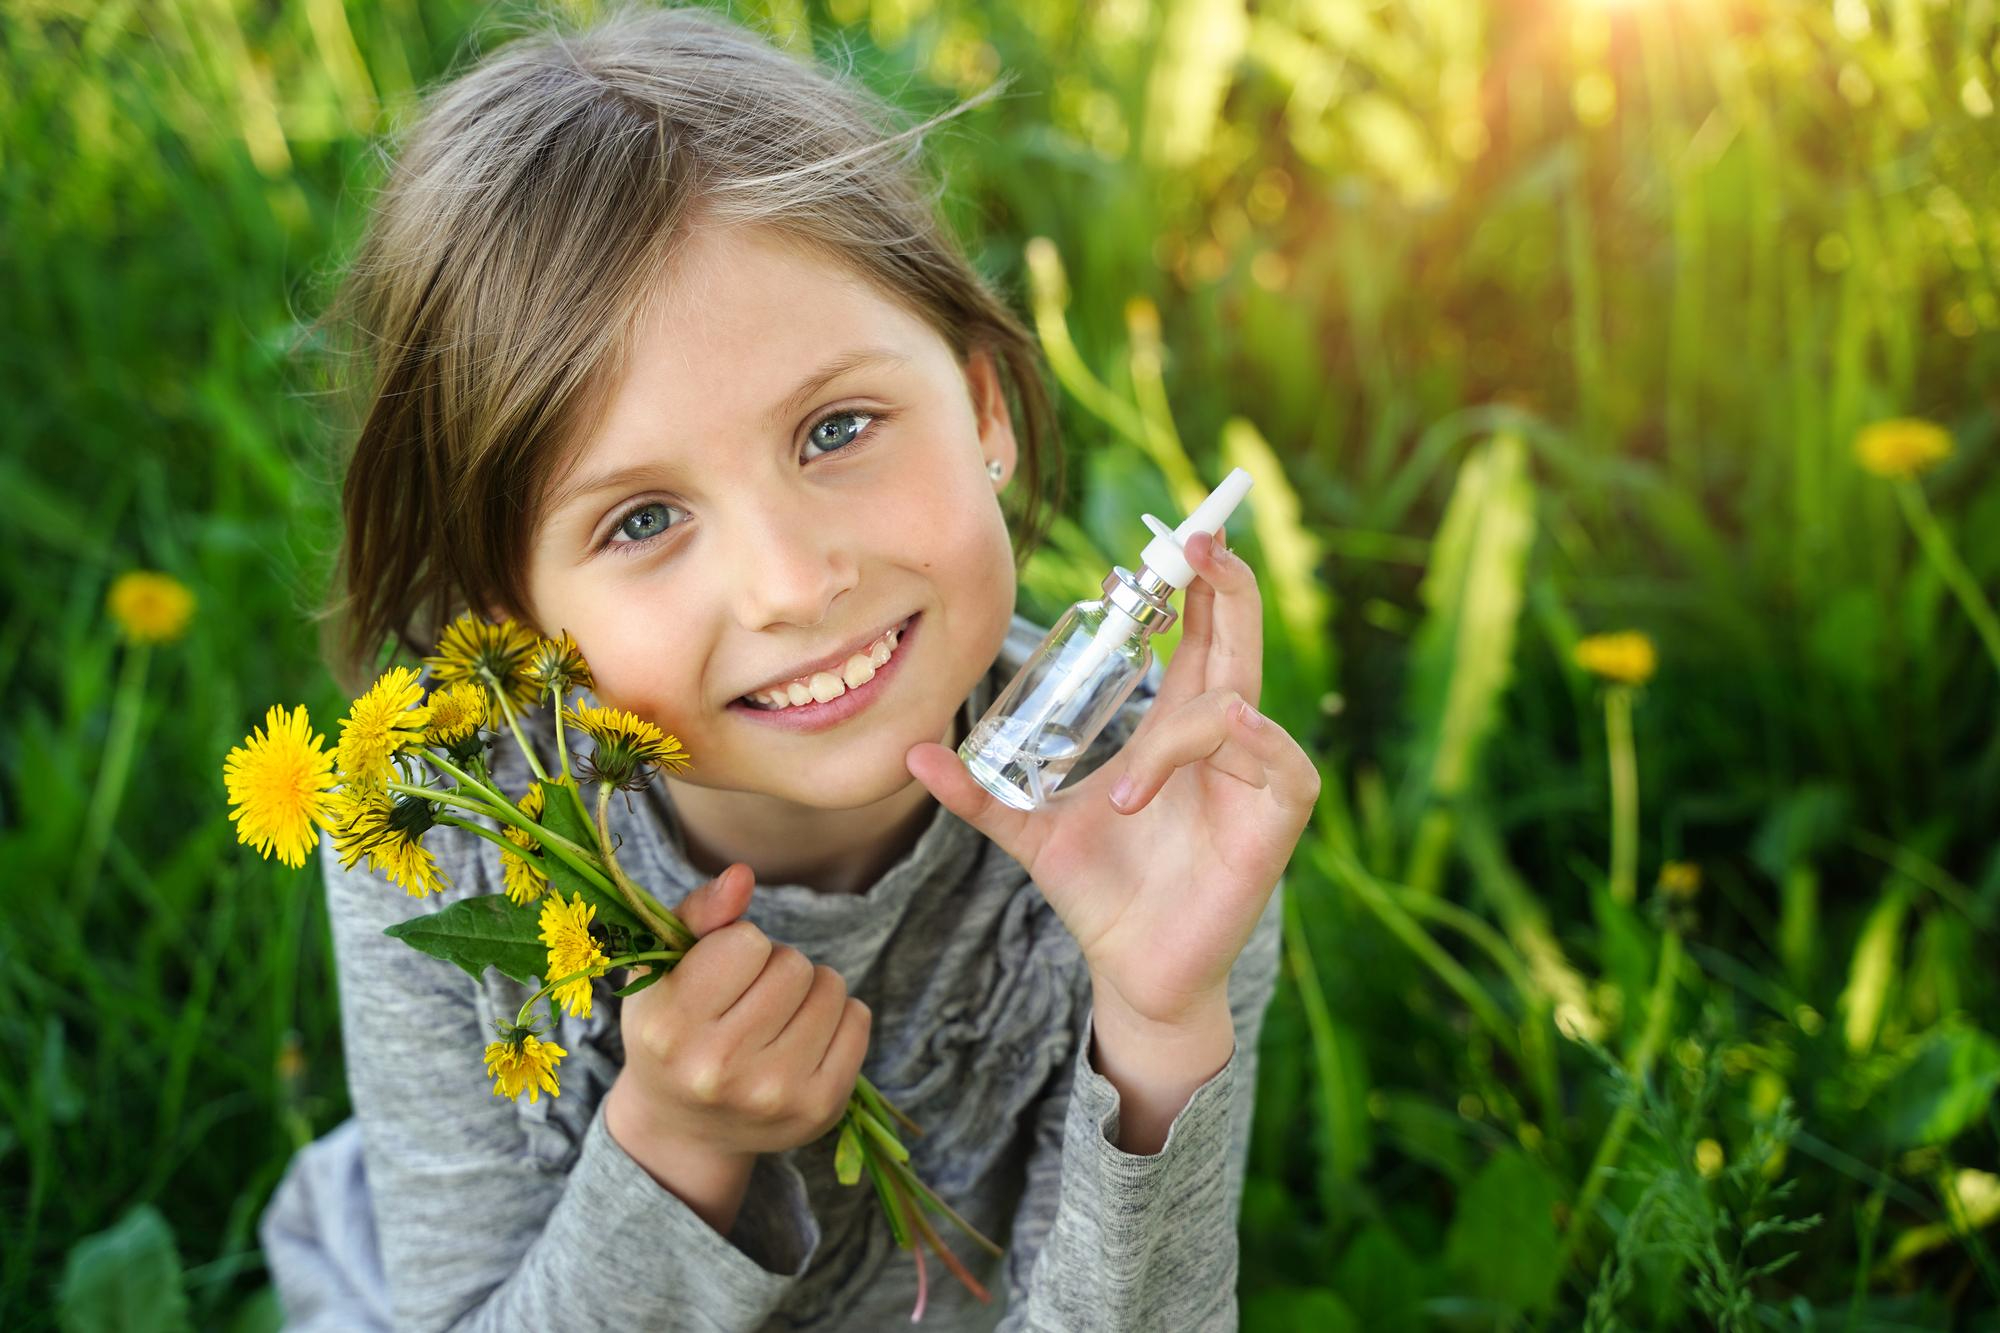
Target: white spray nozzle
1163	554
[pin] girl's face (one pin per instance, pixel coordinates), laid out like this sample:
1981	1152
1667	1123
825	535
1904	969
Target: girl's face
740	515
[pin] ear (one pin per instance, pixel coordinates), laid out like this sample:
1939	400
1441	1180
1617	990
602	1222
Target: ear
989	406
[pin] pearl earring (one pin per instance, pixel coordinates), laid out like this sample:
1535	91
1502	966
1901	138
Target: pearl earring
994	467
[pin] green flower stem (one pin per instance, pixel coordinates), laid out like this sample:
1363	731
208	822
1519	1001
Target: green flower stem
1931	535
866	1119
670	929
479	784
111	773
578	858
562	746
1640	1064
907	1174
1624	794
507	710
626	960
497	839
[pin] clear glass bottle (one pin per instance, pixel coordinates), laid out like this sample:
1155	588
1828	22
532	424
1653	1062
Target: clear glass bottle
1097	651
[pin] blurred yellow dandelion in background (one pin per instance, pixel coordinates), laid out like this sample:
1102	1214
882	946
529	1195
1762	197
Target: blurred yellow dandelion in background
522	870
149	607
387	720
523	1061
1902	447
1680	879
1708	1158
566	930
278	782
1626	657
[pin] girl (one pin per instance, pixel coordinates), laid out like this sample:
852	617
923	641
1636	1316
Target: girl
672	352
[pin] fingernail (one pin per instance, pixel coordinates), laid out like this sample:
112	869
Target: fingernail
1251	717
1121	791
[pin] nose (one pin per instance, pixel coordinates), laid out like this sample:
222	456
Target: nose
793	558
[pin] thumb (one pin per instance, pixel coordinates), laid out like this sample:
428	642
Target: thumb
945	776
718	902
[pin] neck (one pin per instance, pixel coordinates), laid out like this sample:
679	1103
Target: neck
783	842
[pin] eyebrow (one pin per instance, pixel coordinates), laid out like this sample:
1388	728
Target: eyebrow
779	413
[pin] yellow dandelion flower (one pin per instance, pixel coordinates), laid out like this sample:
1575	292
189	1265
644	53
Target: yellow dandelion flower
278	782
388	829
149	607
457	712
558	664
492	656
628	746
1902	447
522	871
389	719
1680	879
1708	1158
1626	657
521	1060
566	930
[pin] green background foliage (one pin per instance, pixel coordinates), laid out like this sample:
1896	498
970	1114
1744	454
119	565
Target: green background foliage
1533	321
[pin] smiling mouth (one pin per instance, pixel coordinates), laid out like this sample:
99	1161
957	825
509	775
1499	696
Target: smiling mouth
826	686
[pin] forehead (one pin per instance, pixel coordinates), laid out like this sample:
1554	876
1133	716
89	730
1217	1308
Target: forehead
738	318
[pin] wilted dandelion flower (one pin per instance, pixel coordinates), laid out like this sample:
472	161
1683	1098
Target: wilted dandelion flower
388	829
522	870
566	930
1626	657
558	664
389	719
278	782
1680	879
521	1060
457	712
149	607
1902	446
627	746
492	656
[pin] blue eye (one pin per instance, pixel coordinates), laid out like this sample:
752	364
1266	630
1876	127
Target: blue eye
644	532
627	539
819	439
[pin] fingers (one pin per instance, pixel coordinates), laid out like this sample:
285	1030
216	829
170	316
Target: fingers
943	773
761	1014
804	1040
845	1053
1232	618
1219	727
716	972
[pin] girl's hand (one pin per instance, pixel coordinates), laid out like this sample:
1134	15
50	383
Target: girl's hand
745	1047
1162	889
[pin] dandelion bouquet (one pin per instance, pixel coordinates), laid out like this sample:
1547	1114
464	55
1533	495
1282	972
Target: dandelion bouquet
407	763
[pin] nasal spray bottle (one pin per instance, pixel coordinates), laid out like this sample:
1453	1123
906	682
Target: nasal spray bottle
1073	684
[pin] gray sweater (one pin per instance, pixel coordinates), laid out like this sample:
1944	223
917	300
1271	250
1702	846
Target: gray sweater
441	1206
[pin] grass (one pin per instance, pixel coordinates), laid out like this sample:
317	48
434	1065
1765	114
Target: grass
1534	322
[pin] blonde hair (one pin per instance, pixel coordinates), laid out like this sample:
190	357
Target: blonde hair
533	204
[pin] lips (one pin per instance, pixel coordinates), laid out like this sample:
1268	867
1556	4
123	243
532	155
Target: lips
819	716
832	663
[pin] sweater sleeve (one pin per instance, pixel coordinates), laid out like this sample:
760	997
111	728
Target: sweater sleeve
478	1232
1105	1240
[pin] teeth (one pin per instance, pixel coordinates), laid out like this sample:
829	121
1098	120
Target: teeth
821	686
